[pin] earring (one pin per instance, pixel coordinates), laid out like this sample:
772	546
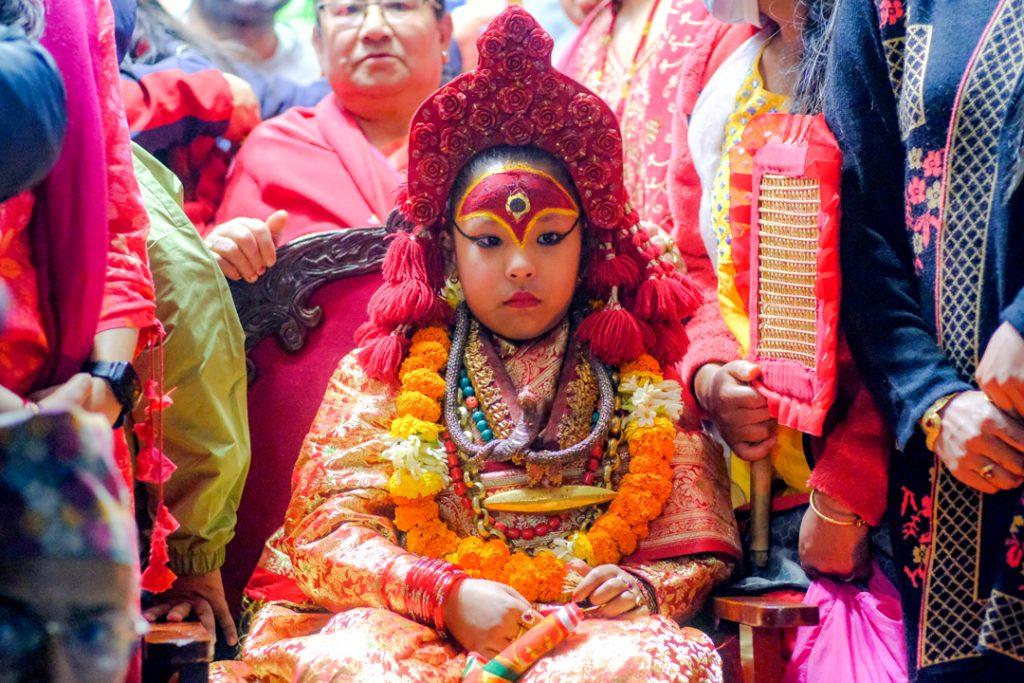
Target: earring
444	55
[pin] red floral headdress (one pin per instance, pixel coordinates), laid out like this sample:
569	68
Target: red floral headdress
515	97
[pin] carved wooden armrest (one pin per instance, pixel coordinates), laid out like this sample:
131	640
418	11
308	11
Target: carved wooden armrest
185	648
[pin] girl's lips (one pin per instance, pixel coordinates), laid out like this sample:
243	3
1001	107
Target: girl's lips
522	300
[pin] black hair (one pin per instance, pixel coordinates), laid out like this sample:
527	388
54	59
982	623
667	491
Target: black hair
28	15
816	36
158	35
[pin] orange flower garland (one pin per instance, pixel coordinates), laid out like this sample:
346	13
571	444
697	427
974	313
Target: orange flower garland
615	534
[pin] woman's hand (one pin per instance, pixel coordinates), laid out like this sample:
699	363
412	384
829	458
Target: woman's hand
977	437
614	590
202	594
485	616
834	550
738	409
1001	370
246	247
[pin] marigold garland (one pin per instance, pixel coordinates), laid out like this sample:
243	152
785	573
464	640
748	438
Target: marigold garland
426	382
418	405
416	433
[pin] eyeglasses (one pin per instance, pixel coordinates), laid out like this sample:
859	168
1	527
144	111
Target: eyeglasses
351	13
98	642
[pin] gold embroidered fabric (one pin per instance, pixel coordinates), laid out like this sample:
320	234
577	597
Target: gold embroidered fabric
340	546
788	268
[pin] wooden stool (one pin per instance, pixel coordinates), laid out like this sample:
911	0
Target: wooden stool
767	619
185	648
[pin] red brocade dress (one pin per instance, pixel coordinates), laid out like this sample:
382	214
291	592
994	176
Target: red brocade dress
334	579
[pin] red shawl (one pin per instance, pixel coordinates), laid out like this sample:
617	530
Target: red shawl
317	164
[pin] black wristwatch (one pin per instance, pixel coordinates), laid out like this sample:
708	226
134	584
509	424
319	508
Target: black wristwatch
122	380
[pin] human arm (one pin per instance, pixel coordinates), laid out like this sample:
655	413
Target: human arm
888	331
128	300
169	107
205	429
32	104
850	480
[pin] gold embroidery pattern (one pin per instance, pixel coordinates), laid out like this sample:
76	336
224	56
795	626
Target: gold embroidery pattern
788	268
894	49
910	105
1004	626
582	400
952	614
971	184
482	377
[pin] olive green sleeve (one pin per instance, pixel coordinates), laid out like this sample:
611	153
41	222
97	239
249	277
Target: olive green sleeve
206	430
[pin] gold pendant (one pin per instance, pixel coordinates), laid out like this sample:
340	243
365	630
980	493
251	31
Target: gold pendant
551	500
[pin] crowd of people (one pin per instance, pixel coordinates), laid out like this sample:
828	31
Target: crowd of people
680	299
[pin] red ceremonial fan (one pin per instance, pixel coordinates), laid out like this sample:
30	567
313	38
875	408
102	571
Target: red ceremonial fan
785	244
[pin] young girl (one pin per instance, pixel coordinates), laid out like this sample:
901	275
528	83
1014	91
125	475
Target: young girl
459	480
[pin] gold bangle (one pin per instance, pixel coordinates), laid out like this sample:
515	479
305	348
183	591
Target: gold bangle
856	521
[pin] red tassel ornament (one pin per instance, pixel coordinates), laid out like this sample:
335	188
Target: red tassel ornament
405	259
609	269
381	357
671	342
614	334
402	303
662	297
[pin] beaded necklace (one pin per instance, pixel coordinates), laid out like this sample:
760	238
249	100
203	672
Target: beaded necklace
424	457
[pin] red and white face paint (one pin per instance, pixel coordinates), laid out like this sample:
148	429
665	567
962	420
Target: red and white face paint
516	198
517	250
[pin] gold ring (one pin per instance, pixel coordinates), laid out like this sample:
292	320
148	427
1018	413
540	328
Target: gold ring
640	600
988	471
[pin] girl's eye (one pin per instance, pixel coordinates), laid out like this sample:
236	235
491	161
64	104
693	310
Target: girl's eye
550	239
488	241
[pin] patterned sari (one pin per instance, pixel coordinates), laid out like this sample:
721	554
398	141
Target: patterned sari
344	616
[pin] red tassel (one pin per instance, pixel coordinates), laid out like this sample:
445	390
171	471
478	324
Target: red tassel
404	259
617	271
153	466
366	332
666	297
614	334
409	302
381	357
158	577
671	342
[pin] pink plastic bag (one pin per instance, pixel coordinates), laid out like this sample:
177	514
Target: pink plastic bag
859	638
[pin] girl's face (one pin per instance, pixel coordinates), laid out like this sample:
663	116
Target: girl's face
518	241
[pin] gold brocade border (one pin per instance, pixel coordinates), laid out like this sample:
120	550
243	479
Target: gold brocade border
910	105
1003	631
952	611
575	425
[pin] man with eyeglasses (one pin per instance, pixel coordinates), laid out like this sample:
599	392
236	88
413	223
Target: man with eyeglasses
339	164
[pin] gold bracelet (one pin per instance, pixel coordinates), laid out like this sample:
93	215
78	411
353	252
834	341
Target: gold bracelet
856	521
